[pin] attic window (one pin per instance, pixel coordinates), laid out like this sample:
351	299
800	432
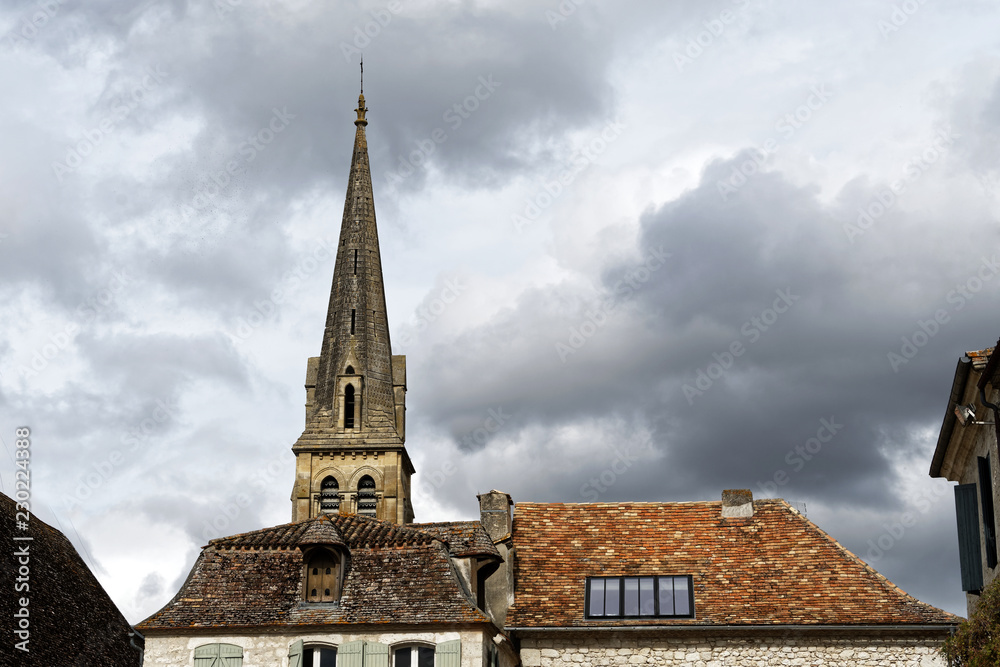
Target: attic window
323	577
637	597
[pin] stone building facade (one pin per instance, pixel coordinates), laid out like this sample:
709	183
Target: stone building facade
966	453
704	584
831	647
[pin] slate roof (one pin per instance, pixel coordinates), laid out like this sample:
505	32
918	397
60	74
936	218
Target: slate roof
774	568
397	575
73	621
464	538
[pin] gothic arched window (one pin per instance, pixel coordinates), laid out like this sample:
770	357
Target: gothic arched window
323	576
329	496
366	496
349	406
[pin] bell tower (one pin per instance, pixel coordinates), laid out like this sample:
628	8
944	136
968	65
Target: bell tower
351	456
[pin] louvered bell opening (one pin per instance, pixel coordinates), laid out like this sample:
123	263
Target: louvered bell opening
329	497
366	497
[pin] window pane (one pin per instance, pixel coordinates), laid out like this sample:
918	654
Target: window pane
327	657
402	658
307	658
682	604
596	597
631	596
425	657
646	605
666	596
611	606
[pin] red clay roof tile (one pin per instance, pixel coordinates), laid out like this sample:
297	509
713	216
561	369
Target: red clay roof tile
774	568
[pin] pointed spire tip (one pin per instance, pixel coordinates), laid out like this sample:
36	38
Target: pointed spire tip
361	98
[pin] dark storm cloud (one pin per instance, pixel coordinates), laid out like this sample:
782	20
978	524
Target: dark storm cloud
807	403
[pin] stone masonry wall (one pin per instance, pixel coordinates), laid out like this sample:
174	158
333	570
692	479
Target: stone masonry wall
272	650
731	651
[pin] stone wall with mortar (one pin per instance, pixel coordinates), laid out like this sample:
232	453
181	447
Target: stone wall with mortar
271	650
701	650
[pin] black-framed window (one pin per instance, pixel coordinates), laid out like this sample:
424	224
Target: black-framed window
653	596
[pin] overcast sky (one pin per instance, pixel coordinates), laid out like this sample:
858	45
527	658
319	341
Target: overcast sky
632	251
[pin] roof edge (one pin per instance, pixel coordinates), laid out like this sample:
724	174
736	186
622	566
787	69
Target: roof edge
704	627
962	372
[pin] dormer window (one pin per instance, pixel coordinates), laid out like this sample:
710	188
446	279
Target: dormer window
324	575
637	597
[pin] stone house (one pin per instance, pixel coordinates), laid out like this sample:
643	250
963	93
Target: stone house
704	584
966	453
331	590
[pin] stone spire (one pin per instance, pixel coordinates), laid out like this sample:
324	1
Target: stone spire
355	389
357	330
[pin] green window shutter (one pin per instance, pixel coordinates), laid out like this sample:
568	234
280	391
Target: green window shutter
230	655
449	654
967	515
351	654
376	654
206	655
295	654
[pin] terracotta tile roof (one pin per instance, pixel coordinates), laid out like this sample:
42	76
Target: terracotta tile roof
990	369
774	568
396	575
464	538
980	358
71	616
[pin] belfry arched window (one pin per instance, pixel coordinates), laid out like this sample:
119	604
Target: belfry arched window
329	496
349	406
323	576
366	496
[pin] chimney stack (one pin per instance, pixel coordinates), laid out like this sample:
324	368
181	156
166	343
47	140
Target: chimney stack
737	503
494	514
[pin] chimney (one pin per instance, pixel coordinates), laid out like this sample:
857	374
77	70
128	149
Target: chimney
737	503
494	514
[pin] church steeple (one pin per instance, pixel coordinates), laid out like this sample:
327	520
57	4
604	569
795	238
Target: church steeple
352	446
